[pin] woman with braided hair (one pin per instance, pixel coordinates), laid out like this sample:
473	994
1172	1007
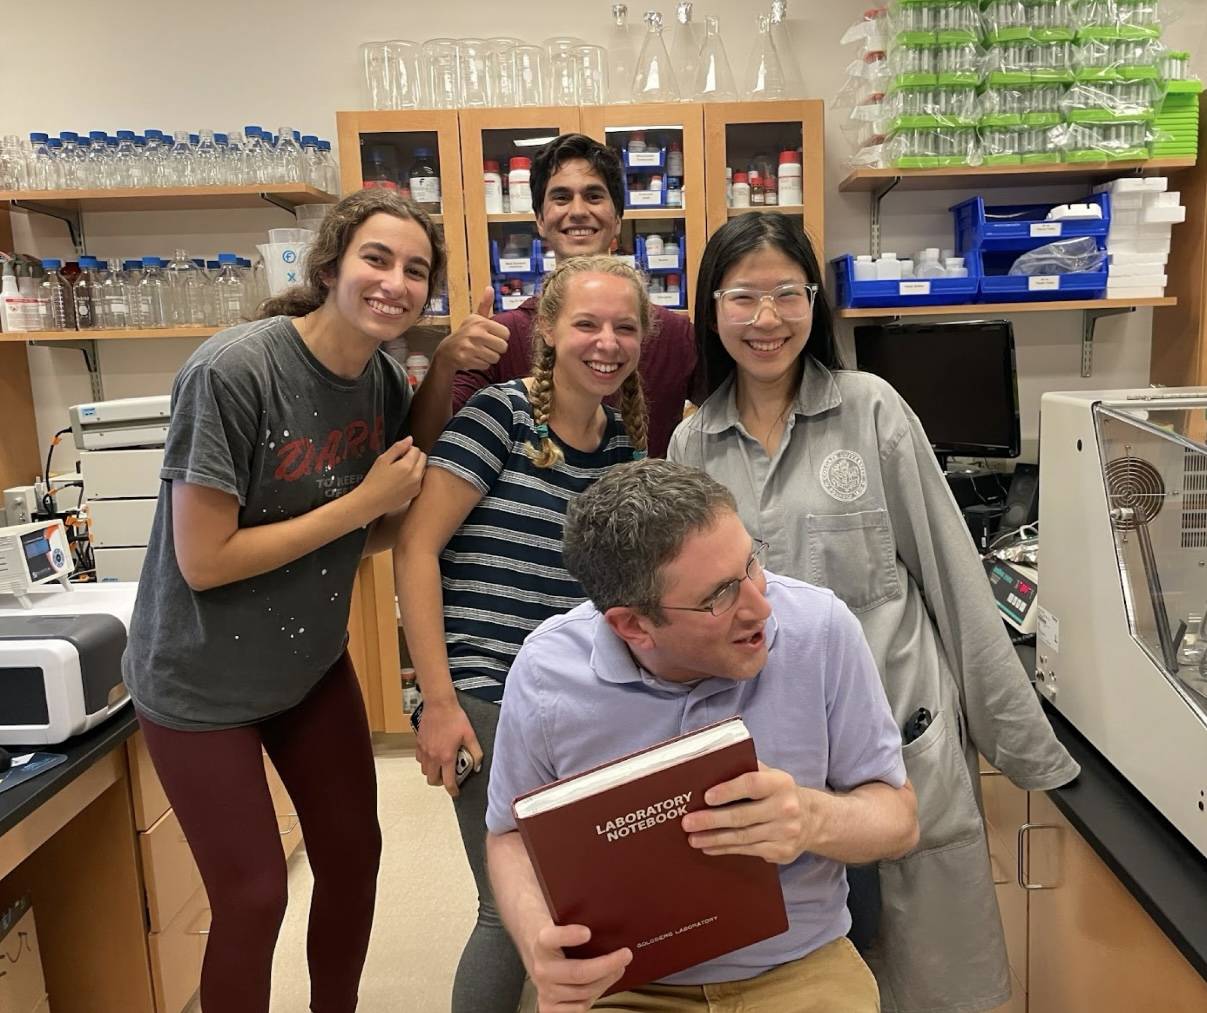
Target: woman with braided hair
479	559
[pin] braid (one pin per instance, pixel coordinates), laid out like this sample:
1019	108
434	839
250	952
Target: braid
632	410
541	399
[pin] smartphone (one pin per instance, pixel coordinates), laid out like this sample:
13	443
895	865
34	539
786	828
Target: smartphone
465	761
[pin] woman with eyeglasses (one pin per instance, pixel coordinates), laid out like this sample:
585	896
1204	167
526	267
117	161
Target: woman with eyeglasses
834	471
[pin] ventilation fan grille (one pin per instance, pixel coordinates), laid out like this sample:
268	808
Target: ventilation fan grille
1194	500
1134	485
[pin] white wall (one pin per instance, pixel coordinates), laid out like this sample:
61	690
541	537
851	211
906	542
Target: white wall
139	63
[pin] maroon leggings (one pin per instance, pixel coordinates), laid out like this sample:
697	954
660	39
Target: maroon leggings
215	782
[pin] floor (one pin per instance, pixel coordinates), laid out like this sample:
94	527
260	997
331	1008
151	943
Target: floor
425	902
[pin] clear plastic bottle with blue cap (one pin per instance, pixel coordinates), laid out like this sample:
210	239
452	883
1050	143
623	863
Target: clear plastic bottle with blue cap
44	171
58	307
289	161
229	291
84	293
154	302
331	182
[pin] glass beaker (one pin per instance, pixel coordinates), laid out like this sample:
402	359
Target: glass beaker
764	72
375	67
501	71
591	66
687	38
714	78
781	36
405	73
530	62
653	79
442	72
475	90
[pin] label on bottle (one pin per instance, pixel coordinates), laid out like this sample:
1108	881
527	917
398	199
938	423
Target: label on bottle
425	189
790	194
645	158
1043	283
913	288
514	265
1046	229
493	189
664	298
22	313
645	198
662	260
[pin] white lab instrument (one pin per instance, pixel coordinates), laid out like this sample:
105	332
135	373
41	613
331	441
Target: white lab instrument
32	554
1121	645
126	422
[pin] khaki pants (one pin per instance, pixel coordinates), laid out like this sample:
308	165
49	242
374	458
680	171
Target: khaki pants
832	979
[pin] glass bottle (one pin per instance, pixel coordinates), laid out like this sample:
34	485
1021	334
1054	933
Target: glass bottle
186	291
781	36
97	170
764	72
208	160
622	56
115	310
154	302
288	157
228	291
183	168
44	174
58	313
84	292
234	158
714	79
654	80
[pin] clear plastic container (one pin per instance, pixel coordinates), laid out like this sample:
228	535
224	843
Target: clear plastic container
56	297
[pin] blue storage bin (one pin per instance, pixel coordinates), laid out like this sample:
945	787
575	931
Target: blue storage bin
665	299
518	267
644	198
650	161
663	263
997	285
854	294
1023	226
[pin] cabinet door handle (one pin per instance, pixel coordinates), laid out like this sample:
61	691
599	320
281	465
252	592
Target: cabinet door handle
1022	851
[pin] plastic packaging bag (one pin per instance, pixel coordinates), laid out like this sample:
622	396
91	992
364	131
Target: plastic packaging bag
1066	256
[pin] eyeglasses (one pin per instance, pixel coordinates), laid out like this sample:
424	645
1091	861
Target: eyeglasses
743	305
727	596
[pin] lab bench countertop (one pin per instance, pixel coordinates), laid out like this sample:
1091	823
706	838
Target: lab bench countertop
82	751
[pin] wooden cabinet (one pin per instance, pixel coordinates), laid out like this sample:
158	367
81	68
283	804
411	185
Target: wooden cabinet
1091	946
1005	811
737	132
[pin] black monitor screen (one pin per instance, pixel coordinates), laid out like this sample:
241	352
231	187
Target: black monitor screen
958	377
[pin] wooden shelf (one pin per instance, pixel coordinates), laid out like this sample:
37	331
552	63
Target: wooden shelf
654	214
116	335
515	216
192	198
980	309
783	209
868	180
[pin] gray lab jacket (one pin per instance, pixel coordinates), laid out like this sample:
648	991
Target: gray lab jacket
854	500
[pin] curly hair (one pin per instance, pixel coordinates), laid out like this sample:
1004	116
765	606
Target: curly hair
552	300
331	242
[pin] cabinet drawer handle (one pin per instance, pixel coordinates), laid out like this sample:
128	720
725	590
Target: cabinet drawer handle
1022	851
292	826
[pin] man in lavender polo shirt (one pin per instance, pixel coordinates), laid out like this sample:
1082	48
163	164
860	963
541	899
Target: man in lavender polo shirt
578	194
684	628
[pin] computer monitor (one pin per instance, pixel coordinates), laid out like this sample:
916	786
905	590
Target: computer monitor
959	378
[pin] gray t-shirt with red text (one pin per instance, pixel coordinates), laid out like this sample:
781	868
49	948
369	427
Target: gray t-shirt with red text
256	415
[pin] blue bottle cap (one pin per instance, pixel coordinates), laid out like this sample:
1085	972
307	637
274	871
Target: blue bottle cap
52	265
130	265
86	262
228	258
54	142
194	138
97	135
112	141
68	135
324	145
83	142
212	265
152	262
310	139
125	135
221	139
199	261
152	133
38	138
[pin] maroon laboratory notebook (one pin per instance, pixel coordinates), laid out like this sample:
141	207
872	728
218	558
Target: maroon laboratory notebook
610	853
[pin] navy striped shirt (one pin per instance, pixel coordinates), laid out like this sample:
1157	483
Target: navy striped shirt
501	572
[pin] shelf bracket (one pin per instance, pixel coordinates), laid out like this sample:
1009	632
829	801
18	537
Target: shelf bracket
92	361
275	201
877	196
74	219
1089	321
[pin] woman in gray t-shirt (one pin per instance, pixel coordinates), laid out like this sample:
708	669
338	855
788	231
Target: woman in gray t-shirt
294	445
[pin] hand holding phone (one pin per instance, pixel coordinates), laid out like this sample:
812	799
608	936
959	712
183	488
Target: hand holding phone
465	761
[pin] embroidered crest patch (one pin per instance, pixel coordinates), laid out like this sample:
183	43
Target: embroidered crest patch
844	476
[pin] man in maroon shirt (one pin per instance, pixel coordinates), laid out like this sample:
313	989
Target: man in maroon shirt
578	194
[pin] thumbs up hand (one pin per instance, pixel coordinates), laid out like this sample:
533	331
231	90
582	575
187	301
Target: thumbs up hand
478	342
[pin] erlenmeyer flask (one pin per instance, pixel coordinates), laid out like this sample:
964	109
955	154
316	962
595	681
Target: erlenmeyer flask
654	80
622	55
714	80
781	36
764	73
686	41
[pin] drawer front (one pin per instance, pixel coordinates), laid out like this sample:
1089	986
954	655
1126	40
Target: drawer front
176	955
1005	812
287	817
150	801
170	874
